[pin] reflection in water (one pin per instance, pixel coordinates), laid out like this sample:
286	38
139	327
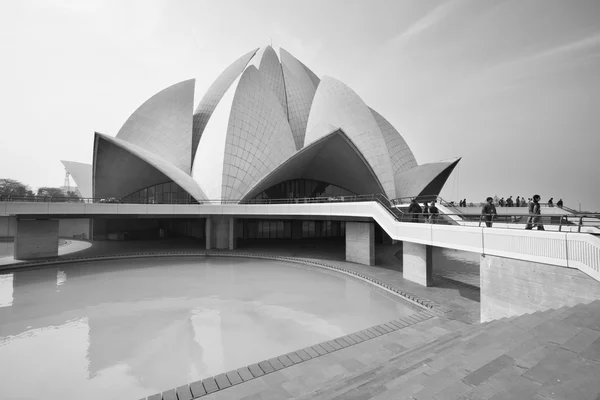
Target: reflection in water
131	328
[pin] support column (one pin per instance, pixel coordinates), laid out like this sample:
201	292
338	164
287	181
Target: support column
36	239
417	263
220	232
360	242
208	233
232	234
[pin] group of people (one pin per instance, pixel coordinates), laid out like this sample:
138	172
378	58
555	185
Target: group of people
429	212
488	211
521	202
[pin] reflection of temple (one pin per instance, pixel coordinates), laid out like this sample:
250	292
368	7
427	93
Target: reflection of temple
154	338
162	333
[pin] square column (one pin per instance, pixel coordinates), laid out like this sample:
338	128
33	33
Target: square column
232	233
417	263
220	233
360	242
36	239
208	233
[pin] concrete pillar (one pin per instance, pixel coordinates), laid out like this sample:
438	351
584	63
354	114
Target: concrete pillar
208	233
220	232
417	263
232	233
36	239
360	242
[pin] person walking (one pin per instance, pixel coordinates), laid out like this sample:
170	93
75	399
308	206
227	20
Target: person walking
551	202
426	211
488	211
465	202
559	203
434	213
509	202
535	212
414	209
518	202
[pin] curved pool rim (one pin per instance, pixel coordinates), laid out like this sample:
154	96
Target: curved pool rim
386	287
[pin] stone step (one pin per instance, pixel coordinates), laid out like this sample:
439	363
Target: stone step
487	358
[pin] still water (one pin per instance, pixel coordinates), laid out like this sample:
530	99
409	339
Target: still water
131	328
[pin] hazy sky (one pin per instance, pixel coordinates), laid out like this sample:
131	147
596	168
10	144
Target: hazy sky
511	86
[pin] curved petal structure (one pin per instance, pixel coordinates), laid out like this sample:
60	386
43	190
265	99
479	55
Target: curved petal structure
424	180
332	159
270	68
121	168
264	128
338	105
259	137
163	125
214	94
313	77
300	91
82	175
400	154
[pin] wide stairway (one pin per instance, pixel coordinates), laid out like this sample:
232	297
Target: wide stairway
553	354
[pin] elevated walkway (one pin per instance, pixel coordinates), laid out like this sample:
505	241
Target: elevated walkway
553	354
565	249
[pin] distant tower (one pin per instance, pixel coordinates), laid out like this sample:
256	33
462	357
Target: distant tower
67	184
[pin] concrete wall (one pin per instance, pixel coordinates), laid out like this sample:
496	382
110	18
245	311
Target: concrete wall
417	263
513	287
8	226
36	239
360	242
74	227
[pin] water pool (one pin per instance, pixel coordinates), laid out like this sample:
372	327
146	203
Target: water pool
134	327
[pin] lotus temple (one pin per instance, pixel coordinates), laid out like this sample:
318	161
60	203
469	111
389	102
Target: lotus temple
267	128
257	247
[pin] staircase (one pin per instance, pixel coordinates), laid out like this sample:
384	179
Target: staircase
554	354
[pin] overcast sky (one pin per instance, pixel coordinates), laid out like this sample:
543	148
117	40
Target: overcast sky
511	86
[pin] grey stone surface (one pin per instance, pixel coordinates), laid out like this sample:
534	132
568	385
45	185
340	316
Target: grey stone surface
234	377
276	364
197	389
184	393
266	367
170	395
210	385
245	374
255	370
222	381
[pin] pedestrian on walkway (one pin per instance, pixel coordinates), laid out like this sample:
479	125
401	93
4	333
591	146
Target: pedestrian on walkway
551	202
535	212
509	202
559	203
414	210
488	211
518	202
426	212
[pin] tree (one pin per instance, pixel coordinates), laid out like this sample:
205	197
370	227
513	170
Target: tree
12	187
50	191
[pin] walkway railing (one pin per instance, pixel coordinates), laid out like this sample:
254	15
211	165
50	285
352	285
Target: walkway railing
588	223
